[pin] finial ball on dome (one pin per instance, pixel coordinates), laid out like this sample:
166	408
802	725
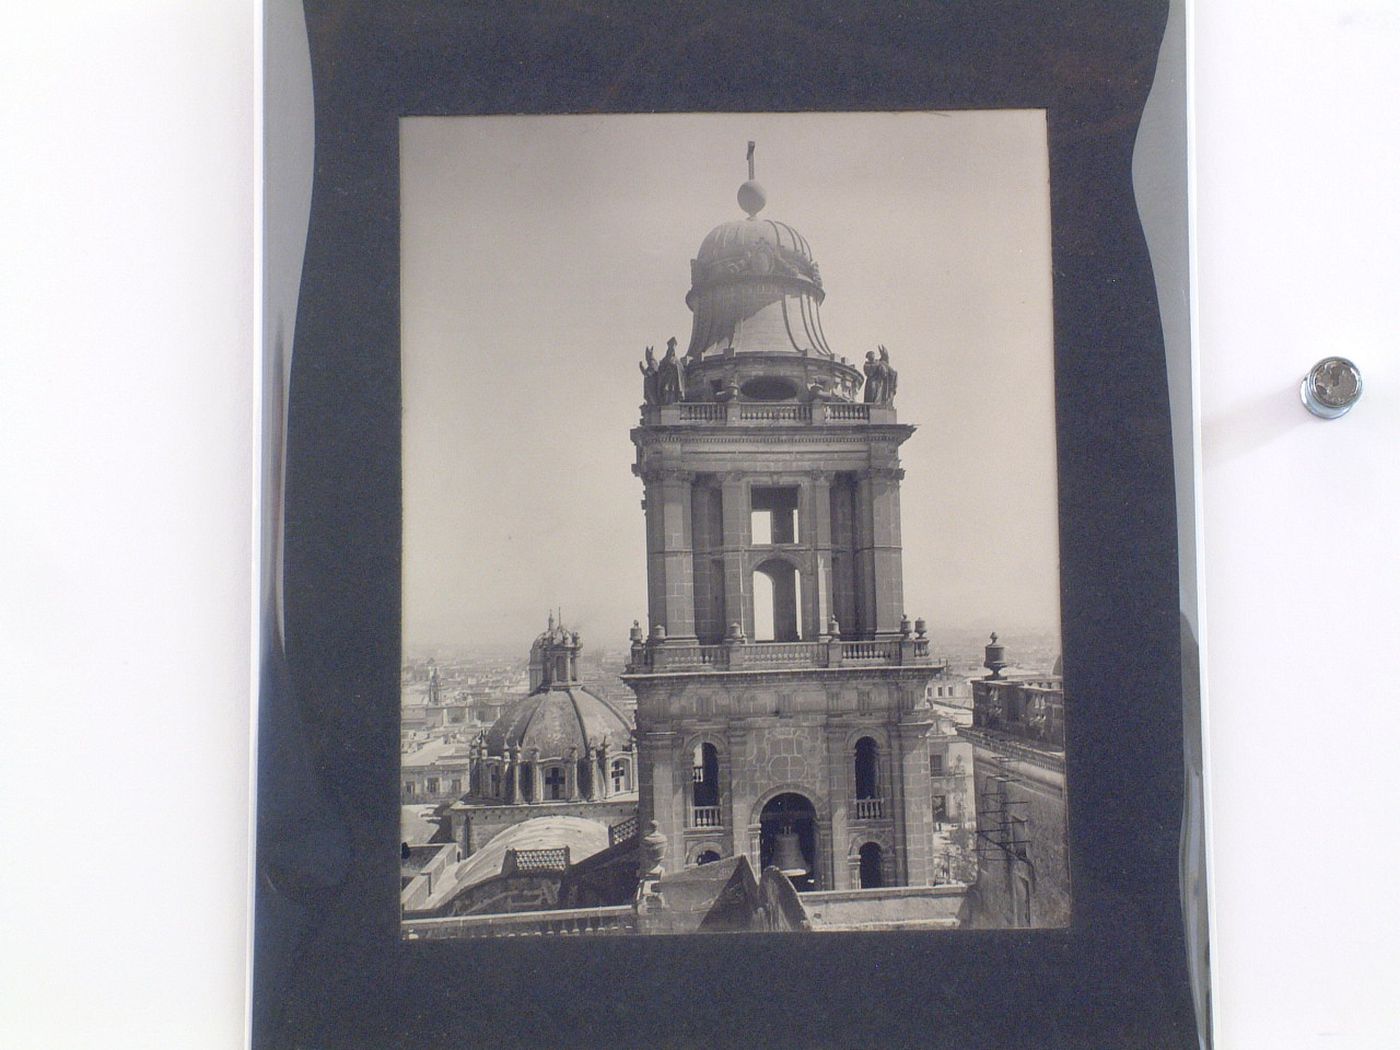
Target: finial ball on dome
752	197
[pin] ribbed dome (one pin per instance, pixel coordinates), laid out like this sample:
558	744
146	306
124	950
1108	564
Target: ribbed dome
755	288
742	236
552	720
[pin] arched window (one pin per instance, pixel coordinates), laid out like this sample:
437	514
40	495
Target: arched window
554	783
619	776
871	877
704	776
777	595
708	856
867	768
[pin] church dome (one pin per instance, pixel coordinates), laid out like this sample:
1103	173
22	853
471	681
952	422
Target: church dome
559	714
556	719
759	239
755	288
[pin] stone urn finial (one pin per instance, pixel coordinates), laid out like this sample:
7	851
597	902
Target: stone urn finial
653	851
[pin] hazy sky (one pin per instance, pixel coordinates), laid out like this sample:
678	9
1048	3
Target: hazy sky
542	254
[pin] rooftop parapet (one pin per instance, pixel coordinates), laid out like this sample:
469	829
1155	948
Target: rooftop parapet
679	658
751	413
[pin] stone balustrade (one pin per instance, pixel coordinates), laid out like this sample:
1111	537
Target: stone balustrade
706	817
870	809
619	919
670	658
750	413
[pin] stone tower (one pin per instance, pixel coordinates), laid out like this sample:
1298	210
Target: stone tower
781	688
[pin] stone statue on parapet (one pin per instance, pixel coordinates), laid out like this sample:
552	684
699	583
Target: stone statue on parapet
649	384
670	381
880	378
891	377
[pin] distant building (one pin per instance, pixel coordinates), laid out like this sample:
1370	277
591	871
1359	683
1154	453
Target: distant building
438	770
1018	738
949	692
548	785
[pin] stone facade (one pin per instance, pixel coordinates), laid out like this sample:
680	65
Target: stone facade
1018	739
782	691
1023	872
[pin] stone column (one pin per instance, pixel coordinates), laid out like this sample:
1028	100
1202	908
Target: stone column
591	758
839	792
707	538
898	801
916	805
667	802
670	559
536	777
513	776
571	775
879	570
816	537
739	791
738	607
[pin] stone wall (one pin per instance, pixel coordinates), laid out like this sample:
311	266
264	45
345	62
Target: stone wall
778	732
912	906
1023	884
478	825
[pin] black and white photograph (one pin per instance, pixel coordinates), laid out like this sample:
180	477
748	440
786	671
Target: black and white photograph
730	567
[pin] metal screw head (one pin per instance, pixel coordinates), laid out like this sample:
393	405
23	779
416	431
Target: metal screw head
1331	387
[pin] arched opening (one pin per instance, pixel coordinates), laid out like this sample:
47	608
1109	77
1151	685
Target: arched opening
788	839
708	856
619	776
777	595
871	876
867	768
704	775
704	787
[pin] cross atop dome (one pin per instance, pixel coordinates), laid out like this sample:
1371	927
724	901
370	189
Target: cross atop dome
752	195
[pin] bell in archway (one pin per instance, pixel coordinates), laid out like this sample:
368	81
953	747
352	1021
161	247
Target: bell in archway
787	854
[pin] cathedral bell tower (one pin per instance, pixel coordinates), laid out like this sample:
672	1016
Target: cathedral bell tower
780	684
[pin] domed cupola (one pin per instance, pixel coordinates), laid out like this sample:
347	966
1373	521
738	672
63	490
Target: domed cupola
559	718
755	293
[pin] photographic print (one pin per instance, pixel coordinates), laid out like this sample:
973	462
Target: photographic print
731	576
726	590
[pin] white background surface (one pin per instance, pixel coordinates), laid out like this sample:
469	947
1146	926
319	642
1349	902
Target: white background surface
125	458
1298	249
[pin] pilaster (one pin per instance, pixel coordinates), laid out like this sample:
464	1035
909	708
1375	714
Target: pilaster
670	557
734	498
839	794
879	570
916	805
